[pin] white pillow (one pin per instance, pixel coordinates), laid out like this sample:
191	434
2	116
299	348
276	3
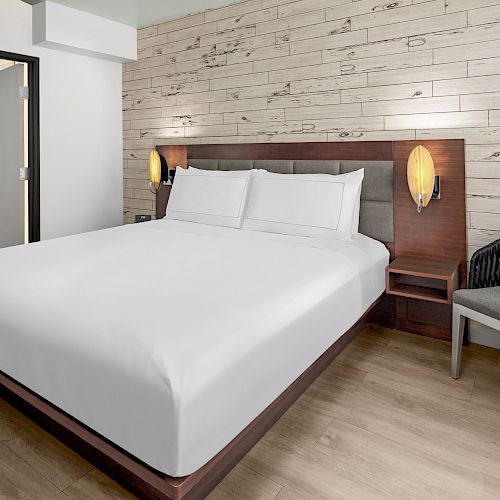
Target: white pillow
355	220
316	205
219	173
224	173
209	197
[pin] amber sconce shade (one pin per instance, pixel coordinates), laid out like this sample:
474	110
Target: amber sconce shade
421	176
154	171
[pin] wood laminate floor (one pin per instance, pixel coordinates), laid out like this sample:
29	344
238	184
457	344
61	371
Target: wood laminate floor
384	421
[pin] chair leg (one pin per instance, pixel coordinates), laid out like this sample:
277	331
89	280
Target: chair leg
457	340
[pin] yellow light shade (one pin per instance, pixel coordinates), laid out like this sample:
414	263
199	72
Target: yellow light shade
420	175
154	171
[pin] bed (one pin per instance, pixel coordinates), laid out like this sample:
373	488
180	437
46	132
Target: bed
142	342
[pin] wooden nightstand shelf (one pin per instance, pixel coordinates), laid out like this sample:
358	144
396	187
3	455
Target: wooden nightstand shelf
422	278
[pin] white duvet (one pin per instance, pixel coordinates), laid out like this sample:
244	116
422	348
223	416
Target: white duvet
169	337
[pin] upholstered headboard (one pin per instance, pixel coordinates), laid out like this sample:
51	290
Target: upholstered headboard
377	196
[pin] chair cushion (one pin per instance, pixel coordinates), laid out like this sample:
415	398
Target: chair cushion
483	300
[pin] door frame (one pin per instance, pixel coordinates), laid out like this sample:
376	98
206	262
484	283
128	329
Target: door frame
33	140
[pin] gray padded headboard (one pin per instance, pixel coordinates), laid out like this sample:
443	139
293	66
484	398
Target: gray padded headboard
377	198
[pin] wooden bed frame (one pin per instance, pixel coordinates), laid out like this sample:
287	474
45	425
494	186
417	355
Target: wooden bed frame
443	230
138	477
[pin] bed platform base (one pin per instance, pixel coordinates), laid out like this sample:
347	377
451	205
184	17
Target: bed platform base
136	476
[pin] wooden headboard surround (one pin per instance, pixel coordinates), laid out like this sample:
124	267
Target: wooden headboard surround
439	231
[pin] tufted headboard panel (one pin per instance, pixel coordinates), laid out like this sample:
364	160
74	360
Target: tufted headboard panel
377	196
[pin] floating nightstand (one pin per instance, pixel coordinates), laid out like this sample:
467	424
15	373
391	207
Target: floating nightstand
422	278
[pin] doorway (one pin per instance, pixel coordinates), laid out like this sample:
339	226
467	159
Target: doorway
19	150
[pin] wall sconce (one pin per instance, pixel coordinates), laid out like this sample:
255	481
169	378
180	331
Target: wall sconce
422	181
154	171
159	172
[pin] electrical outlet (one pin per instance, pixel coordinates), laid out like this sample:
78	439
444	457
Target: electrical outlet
142	218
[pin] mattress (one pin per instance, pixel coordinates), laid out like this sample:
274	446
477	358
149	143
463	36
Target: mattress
169	337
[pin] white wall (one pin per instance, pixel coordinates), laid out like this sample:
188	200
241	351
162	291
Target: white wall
81	186
57	26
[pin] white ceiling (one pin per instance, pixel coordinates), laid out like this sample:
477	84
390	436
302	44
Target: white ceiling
140	13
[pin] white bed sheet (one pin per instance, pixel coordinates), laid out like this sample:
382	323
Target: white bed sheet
169	337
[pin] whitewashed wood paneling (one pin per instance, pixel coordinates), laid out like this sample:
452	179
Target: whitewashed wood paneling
372	135
487	152
366	50
210	130
287	62
458	86
299	137
453	37
437	120
471	102
179	24
486	135
238	105
262	56
186	88
458	5
248	19
329	42
386	62
271	90
485	204
412	106
398	15
202	97
195	120
386	92
486	15
237	9
138	114
245	44
495	117
483	170
290	127
195	109
303	72
240	81
421	74
409	28
345	124
322	70
259	116
323	29
314	17
192	31
483	67
323	111
469	52
227	36
326	84
302	100
303	6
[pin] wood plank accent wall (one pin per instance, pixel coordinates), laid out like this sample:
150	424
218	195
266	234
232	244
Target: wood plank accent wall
316	70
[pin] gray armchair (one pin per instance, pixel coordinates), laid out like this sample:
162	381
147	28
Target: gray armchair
480	302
